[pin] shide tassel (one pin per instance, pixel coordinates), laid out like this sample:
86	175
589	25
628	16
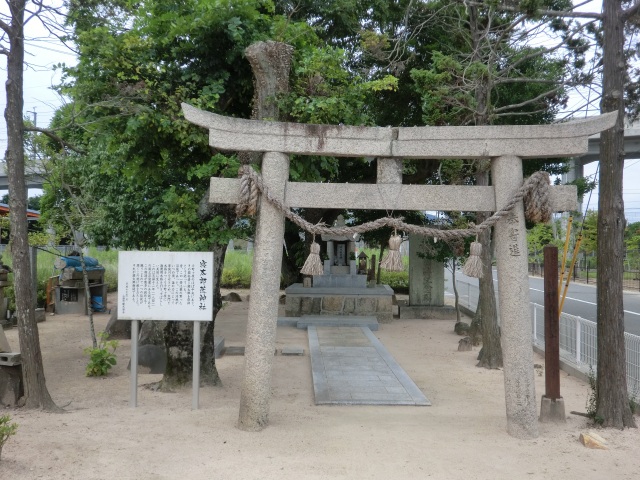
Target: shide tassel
393	261
473	265
313	265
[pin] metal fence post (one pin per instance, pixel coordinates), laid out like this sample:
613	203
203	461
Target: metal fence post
578	340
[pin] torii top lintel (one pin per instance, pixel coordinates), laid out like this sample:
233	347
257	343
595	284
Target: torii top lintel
524	141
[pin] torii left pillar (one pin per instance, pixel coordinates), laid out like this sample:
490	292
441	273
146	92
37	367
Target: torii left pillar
263	308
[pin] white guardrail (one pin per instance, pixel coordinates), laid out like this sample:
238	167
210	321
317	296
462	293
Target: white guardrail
578	338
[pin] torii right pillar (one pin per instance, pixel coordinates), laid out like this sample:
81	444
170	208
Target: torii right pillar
513	295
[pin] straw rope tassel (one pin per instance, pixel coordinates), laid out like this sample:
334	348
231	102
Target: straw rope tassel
473	265
313	265
393	261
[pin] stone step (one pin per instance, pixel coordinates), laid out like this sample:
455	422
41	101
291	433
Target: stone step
218	346
10	359
338	321
288	321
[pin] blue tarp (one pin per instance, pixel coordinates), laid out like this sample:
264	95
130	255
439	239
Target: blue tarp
90	262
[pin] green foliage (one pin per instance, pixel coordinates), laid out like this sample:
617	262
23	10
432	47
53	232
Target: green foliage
592	405
237	270
590	232
632	237
399	281
537	238
6	430
101	358
107	258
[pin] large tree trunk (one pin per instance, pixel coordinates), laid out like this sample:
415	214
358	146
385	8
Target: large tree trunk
487	315
178	336
612	401
35	389
208	371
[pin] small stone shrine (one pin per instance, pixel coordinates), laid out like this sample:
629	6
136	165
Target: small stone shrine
11	385
70	291
340	290
340	268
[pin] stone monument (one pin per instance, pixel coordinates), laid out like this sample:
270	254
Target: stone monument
426	283
505	146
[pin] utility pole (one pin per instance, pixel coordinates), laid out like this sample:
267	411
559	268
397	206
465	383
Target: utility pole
35	116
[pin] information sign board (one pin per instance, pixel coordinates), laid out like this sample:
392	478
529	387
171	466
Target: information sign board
165	286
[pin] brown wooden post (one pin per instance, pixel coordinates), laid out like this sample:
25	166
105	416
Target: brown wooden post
551	324
552	406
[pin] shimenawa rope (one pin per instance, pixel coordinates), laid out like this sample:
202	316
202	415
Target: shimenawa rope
534	192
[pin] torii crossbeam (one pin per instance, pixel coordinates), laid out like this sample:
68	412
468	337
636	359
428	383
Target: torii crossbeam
505	146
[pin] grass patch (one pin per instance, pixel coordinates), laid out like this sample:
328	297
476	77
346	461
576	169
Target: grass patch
237	270
46	269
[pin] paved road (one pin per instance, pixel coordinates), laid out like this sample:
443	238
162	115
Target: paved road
580	301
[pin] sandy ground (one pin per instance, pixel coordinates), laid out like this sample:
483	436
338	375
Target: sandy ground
462	436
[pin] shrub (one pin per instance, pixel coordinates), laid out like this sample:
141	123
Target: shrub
6	430
237	270
101	358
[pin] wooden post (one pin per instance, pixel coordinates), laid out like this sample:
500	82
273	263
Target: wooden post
551	324
552	405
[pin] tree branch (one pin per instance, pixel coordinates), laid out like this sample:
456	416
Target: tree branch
49	133
545	13
6	27
530	101
631	11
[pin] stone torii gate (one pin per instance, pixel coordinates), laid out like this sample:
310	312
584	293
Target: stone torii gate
505	146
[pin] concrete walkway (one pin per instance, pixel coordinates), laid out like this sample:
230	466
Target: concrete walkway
351	367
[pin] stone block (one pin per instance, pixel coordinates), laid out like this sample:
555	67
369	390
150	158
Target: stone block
11	386
152	357
232	297
349	305
552	411
385	304
464	345
593	440
292	306
218	346
310	305
461	328
118	328
234	350
4	343
367	305
288	321
292	351
10	359
384	317
332	304
424	311
41	315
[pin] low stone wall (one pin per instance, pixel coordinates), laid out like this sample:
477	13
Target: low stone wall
376	301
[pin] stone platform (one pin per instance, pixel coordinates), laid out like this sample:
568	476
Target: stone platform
306	321
369	301
351	367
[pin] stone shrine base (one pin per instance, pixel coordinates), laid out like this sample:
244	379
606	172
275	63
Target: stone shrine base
374	301
424	311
